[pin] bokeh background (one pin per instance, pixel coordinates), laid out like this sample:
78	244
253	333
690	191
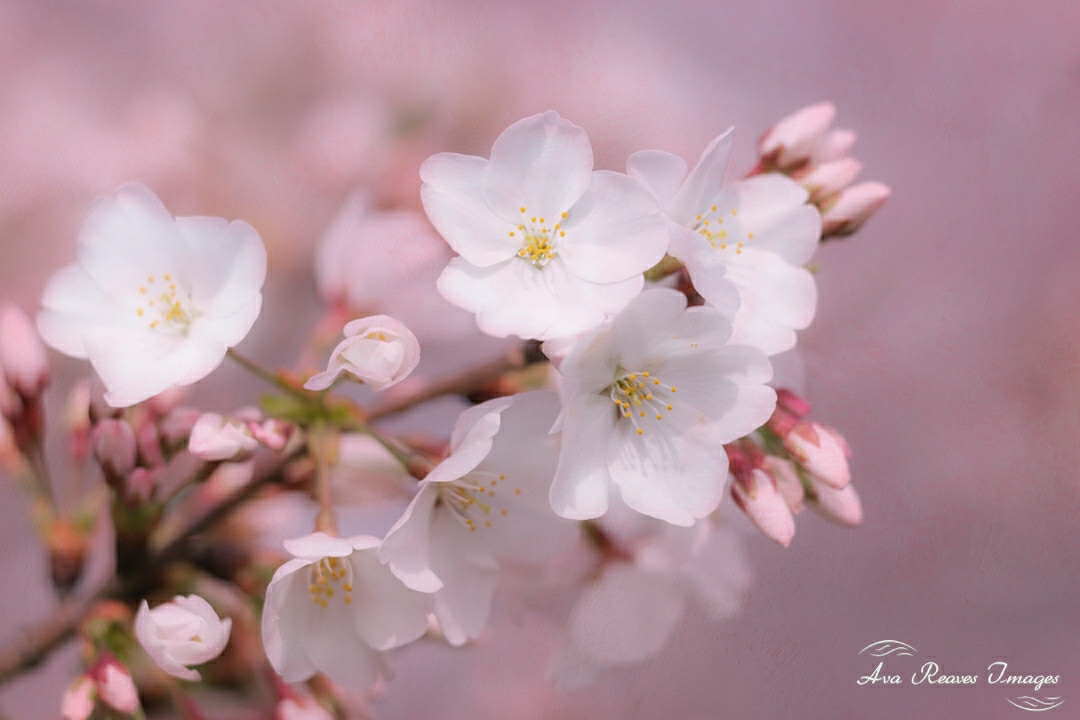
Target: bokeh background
946	347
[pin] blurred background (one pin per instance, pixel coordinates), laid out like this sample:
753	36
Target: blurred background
946	346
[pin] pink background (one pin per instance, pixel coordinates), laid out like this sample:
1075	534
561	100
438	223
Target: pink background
946	347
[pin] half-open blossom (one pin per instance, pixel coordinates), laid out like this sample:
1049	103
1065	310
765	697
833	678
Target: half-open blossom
750	239
334	608
183	632
487	501
153	301
377	350
648	402
548	247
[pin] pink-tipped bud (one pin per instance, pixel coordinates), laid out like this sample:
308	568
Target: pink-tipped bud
114	449
787	480
215	438
789	412
272	433
829	178
76	419
22	354
148	441
115	686
175	428
765	505
139	486
840	506
822	451
79	699
835	145
792	141
852	208
11	405
163	403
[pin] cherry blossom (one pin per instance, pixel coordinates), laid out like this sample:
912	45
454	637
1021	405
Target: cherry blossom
749	239
153	301
377	350
334	608
487	501
548	247
648	402
183	632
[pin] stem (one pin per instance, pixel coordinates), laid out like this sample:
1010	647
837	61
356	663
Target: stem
35	645
321	448
461	384
267	375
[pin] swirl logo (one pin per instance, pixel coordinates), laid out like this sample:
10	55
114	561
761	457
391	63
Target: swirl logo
1034	704
881	648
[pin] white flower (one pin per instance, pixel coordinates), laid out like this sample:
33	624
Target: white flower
215	438
181	633
751	238
485	502
547	246
378	350
648	402
629	608
153	301
334	607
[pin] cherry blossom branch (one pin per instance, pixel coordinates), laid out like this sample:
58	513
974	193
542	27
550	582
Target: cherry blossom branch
36	645
267	375
461	384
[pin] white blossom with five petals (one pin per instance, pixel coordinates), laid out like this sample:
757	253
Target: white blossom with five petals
751	238
648	402
334	608
548	247
153	301
484	503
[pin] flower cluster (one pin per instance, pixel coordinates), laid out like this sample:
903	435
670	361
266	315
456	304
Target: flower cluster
592	457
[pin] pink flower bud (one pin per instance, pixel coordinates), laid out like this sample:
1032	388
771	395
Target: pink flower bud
787	480
301	708
76	419
176	427
79	699
840	506
163	403
22	354
765	506
214	438
114	449
833	146
149	444
115	686
852	208
822	451
830	178
139	486
792	140
272	433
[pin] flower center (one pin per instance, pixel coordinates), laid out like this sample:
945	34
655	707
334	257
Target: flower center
632	394
710	226
167	308
329	576
472	499
538	238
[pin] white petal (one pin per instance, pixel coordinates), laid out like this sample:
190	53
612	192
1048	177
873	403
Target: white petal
661	172
73	303
463	603
626	616
235	276
542	163
614	231
318	545
776	299
406	548
704	182
385	613
453	198
283	623
579	490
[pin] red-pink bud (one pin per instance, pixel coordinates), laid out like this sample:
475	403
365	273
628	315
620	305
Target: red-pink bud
115	686
852	208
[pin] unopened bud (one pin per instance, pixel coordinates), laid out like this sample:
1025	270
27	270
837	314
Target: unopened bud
76	419
829	178
163	403
272	433
139	486
763	503
79	699
852	208
148	442
21	353
790	410
115	686
114	449
792	140
175	428
787	480
822	451
840	506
